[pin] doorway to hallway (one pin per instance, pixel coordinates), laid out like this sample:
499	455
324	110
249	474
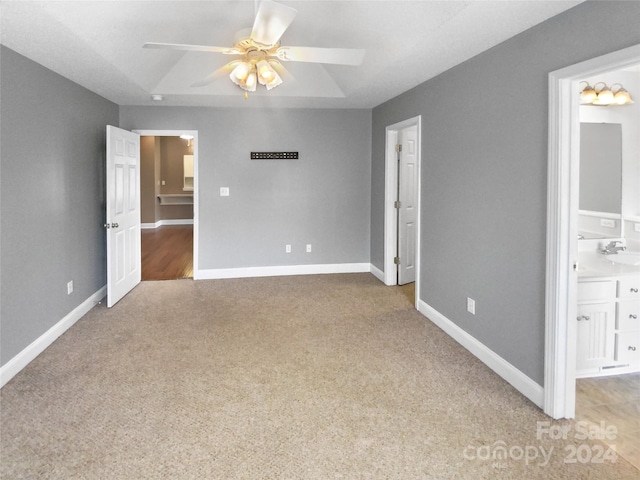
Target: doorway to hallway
402	204
167	252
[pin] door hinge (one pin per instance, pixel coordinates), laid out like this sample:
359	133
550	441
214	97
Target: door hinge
399	147
396	260
397	204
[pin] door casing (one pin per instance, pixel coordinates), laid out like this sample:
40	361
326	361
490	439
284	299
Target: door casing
177	133
562	226
390	196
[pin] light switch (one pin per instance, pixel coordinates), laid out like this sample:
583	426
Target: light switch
224	191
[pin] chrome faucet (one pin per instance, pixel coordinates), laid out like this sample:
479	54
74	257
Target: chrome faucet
613	247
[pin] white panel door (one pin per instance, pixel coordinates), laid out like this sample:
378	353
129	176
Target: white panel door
124	269
408	197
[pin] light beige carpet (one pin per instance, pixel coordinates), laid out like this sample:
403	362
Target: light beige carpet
312	377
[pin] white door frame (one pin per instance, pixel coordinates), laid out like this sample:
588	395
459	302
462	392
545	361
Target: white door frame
177	133
391	195
562	226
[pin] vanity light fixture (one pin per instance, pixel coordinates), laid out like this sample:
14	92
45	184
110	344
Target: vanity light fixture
602	95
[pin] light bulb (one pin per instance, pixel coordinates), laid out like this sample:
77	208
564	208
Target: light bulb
588	95
605	97
250	84
265	70
241	72
622	97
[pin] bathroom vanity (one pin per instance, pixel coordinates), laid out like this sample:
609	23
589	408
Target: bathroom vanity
608	315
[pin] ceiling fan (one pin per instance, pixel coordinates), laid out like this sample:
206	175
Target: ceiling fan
261	53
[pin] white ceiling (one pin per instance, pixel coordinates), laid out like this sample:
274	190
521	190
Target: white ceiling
98	44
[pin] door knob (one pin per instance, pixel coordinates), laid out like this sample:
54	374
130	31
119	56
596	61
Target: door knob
106	225
114	225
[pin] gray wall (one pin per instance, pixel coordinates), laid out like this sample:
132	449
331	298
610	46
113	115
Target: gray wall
484	195
52	198
322	199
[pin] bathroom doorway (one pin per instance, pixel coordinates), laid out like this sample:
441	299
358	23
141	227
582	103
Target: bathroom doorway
562	226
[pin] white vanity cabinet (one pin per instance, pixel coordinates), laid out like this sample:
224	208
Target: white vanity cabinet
628	322
608	326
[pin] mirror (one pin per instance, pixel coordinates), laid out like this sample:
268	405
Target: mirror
601	167
600	180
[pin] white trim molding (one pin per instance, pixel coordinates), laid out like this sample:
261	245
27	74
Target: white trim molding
591	213
22	359
376	272
495	362
562	226
160	223
278	271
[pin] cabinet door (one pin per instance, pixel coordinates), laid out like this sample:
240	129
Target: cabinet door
596	342
628	348
629	288
628	315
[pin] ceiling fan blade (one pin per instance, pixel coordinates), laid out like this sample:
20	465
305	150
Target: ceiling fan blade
212	77
192	48
338	56
271	22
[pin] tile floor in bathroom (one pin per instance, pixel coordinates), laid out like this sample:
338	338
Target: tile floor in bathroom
616	401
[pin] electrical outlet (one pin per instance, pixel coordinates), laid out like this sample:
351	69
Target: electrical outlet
287	248
224	191
308	248
471	306
70	287
163	182
605	222
636	227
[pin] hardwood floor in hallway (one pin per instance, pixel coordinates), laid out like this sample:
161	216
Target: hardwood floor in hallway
167	252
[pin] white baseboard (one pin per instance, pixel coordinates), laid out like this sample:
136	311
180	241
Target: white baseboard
22	359
495	362
277	271
160	223
379	274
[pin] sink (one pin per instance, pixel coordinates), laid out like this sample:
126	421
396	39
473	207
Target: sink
626	258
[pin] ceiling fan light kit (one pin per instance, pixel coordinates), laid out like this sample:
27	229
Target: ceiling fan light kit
261	51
